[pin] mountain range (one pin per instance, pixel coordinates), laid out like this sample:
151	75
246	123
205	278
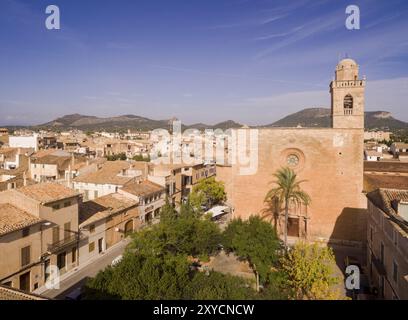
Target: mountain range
310	117
320	117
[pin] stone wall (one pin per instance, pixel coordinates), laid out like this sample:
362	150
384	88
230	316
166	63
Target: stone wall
330	160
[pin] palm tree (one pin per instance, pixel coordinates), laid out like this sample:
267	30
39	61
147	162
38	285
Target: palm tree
288	189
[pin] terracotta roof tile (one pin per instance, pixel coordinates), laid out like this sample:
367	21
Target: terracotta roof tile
142	189
61	162
99	208
384	199
108	174
390	181
13	218
7	293
47	192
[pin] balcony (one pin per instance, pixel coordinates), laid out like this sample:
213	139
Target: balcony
59	245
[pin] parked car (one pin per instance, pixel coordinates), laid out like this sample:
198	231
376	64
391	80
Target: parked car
75	294
116	260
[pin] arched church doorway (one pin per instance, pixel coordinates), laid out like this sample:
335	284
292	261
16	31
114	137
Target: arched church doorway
293	227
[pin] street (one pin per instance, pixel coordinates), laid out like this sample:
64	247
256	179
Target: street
76	279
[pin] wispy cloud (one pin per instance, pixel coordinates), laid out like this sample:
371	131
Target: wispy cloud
283	34
265	17
299	33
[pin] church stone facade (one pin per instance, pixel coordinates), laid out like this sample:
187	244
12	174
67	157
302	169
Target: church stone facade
329	159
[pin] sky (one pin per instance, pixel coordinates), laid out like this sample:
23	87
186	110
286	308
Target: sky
252	61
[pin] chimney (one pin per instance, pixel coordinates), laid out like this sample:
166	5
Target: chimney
403	210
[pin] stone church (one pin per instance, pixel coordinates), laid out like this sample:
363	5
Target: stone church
329	159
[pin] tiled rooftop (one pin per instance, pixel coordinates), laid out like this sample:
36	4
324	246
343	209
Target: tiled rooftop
99	208
384	198
61	162
386	166
47	192
142	189
7	293
108	174
13	218
390	181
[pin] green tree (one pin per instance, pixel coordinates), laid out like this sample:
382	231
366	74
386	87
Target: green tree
287	190
118	156
254	240
218	286
276	287
208	192
140	157
98	288
309	272
167	212
181	234
140	276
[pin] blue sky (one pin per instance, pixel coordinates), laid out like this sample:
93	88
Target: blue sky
252	61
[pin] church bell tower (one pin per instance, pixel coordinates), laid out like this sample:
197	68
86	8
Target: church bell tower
347	96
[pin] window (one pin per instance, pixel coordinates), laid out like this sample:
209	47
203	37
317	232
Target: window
67	230
73	255
395	238
292	160
61	260
92	228
25	256
348	105
91	246
47	273
382	253
67	204
96	194
395	271
55	234
25	232
25	281
56	206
